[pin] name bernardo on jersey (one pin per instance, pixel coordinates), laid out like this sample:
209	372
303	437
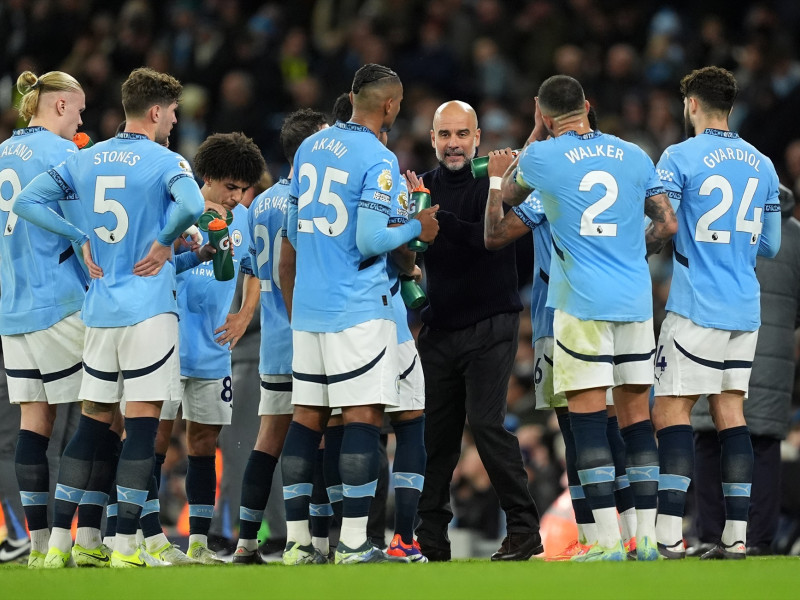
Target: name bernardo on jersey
277	202
604	150
335	146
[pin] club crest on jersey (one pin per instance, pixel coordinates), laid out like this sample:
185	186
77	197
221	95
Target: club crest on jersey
385	180
237	238
185	167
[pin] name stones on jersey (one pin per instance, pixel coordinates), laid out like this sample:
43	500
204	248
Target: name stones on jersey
114	156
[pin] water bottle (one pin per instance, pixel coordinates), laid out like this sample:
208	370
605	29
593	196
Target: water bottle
412	294
220	240
81	140
421	199
480	166
209	216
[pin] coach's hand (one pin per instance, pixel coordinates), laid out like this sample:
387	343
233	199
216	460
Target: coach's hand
151	264
95	272
232	329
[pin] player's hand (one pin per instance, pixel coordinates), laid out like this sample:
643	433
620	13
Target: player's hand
193	236
151	264
218	208
232	329
539	132
412	181
416	274
499	161
205	252
95	272
430	226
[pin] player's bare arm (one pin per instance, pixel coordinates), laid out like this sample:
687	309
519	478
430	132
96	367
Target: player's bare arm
499	228
95	272
287	268
236	323
151	264
664	224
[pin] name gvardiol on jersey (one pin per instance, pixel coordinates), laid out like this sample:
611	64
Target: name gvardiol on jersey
604	150
717	156
335	146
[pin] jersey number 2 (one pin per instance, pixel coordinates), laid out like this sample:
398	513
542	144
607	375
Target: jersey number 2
262	233
588	226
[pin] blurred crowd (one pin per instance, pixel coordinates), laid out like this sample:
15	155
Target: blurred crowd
246	63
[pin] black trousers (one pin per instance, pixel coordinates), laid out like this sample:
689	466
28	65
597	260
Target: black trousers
764	497
466	378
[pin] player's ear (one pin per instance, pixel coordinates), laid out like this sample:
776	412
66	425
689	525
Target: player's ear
155	113
61	106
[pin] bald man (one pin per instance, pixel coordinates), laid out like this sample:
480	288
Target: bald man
467	345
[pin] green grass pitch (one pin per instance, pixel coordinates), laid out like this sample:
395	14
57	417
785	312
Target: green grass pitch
754	578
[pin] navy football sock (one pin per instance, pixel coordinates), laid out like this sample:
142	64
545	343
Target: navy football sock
594	461
95	498
320	510
676	457
150	519
408	474
736	457
201	490
623	493
330	465
580	505
297	468
642	464
256	485
33	477
135	471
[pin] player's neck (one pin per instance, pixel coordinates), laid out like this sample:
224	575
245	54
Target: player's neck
703	122
373	123
578	123
43	121
140	127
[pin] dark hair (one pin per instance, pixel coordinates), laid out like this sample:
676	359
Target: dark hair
145	88
297	127
229	156
370	74
592	117
342	108
560	95
714	87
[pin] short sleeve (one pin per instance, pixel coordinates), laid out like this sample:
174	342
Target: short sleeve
669	174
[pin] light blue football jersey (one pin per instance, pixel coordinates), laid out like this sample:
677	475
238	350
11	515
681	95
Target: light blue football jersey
41	279
726	190
336	171
123	185
531	212
204	303
266	227
593	188
399	215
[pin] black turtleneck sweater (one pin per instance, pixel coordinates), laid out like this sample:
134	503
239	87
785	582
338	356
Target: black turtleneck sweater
466	282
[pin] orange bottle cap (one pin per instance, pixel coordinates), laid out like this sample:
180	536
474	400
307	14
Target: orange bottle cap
421	188
217	225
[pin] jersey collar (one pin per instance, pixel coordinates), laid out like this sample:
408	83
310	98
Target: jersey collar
350	126
27	130
284	181
584	136
721	133
126	135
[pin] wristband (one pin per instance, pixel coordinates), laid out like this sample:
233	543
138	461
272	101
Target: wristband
495	183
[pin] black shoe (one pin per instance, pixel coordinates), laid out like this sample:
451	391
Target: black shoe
736	551
699	549
519	546
434	553
11	550
246	557
273	546
669	554
759	551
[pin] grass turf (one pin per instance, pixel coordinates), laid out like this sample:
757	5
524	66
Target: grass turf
774	577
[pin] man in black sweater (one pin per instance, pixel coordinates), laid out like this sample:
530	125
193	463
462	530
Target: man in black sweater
467	346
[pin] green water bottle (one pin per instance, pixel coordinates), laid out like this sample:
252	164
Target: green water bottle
480	166
421	199
412	294
220	240
209	216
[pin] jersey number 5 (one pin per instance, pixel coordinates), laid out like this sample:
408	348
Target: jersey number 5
103	204
9	176
326	196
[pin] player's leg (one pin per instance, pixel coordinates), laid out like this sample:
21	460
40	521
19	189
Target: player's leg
583	370
687	365
332	442
275	409
445	415
201	485
623	493
311	412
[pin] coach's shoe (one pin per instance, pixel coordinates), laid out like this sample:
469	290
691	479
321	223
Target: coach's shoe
201	554
36	560
56	559
519	546
91	557
674	552
172	554
433	552
647	549
699	549
736	551
597	552
139	558
574	549
412	552
243	556
366	553
14	550
295	554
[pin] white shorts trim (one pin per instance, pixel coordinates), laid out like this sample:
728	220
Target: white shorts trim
276	395
693	360
45	365
591	354
412	380
139	362
353	367
207	401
